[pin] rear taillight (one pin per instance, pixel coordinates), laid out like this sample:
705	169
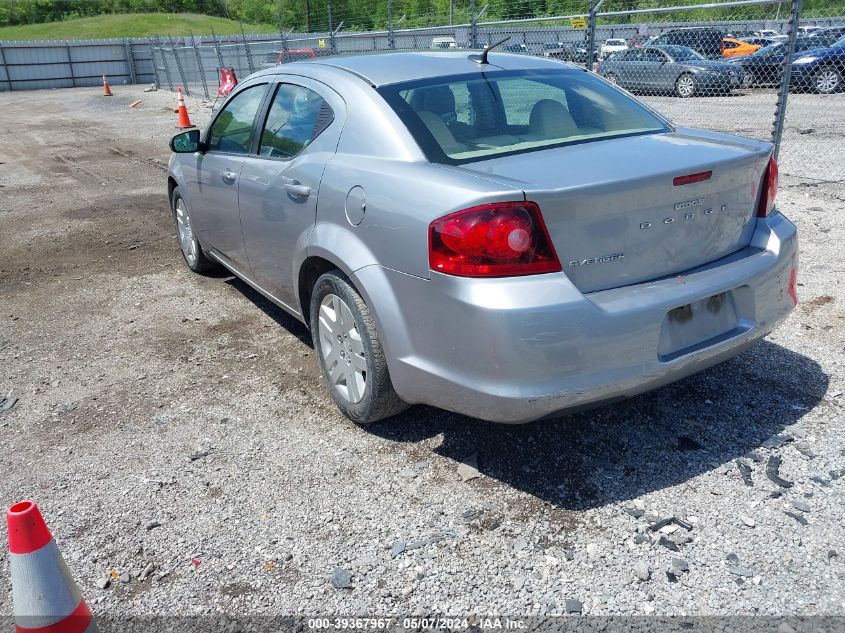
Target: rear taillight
492	240
770	189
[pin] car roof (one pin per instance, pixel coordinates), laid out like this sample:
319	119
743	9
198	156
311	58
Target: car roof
380	69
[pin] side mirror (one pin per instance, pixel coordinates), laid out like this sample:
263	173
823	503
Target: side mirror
187	143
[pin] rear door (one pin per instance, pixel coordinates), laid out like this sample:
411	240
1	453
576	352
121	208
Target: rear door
656	69
279	184
630	68
215	206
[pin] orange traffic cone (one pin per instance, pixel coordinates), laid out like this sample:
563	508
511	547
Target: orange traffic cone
184	119
106	88
43	592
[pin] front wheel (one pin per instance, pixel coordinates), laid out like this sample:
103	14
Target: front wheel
191	249
827	80
685	86
350	353
748	78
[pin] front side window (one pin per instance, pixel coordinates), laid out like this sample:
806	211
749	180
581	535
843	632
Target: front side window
296	117
514	112
231	131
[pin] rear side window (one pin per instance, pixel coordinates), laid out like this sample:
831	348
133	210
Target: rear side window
296	117
513	112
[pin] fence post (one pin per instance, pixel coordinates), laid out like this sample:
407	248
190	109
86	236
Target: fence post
130	61
473	25
391	40
332	43
217	48
153	58
783	91
179	66
591	34
200	67
246	48
69	64
284	37
3	62
164	64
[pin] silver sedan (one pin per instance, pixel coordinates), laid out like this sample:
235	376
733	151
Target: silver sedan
507	238
672	69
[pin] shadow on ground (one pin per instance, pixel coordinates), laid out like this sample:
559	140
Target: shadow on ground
620	451
291	324
647	443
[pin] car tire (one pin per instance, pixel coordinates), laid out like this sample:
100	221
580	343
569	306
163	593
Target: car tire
685	86
192	251
350	353
827	80
612	78
748	78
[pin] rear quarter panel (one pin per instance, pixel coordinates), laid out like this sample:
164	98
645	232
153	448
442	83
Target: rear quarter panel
402	198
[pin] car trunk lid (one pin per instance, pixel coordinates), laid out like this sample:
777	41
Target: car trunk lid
616	217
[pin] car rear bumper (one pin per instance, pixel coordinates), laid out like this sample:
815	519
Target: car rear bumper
519	349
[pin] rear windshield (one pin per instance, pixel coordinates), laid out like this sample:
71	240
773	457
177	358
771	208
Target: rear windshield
474	117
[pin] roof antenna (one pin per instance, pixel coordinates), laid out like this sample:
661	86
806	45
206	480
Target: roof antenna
482	59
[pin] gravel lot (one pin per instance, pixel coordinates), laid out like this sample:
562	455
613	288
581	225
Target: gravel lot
175	431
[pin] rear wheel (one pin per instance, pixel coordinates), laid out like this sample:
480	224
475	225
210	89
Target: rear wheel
685	86
191	249
827	80
350	353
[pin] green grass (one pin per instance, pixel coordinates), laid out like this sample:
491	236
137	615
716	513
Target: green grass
130	25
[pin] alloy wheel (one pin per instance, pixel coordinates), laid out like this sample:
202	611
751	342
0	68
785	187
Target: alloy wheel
187	240
686	85
827	80
747	79
342	349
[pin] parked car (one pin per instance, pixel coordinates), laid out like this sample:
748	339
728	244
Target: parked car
759	42
767	33
611	46
705	40
830	34
445	41
732	47
820	69
568	51
517	48
808	30
574	247
675	69
285	57
765	67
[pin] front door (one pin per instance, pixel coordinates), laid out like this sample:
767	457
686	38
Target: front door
218	170
279	185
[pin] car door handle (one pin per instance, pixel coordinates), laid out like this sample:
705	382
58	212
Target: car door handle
298	191
229	177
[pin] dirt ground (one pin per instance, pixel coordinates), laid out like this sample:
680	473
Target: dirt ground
149	395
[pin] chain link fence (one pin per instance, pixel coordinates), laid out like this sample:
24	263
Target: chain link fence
726	66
